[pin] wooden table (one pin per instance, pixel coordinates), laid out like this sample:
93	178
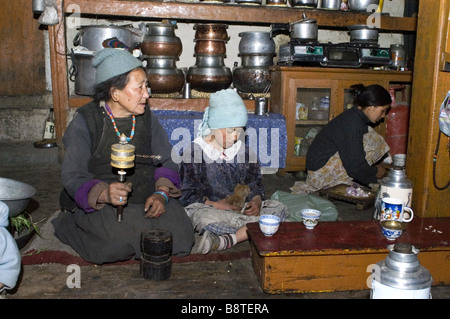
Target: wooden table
337	256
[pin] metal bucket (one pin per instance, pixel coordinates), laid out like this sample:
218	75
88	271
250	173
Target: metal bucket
92	36
84	73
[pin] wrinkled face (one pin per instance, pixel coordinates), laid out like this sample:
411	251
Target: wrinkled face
226	137
376	113
133	97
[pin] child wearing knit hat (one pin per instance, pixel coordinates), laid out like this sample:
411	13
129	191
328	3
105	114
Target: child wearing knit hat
219	161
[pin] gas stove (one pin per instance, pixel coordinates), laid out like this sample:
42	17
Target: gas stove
339	55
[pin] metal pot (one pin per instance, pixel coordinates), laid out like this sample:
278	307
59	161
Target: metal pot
362	33
251	79
256	42
15	195
211	31
92	36
304	30
210	61
361	5
210	46
160	62
331	4
160	40
161	29
207	79
303	3
165	80
276	2
154	46
257	60
83	73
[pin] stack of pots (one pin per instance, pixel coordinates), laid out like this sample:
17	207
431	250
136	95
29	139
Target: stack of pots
161	50
209	74
256	49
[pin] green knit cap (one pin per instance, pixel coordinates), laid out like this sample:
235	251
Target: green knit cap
113	62
226	109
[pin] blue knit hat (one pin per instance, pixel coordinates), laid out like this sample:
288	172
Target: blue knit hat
226	109
113	62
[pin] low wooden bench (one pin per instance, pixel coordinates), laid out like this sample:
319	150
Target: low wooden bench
337	256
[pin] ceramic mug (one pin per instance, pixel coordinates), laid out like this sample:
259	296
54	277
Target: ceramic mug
394	209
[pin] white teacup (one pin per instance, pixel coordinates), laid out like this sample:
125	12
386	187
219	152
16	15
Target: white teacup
394	209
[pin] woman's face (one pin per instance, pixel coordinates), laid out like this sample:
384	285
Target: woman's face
132	99
376	113
226	137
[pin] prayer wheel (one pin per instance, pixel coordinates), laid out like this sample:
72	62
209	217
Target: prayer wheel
122	155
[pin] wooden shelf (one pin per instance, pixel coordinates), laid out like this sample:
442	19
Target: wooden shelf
180	104
230	13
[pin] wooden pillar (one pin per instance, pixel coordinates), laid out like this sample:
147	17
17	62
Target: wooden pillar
60	89
430	87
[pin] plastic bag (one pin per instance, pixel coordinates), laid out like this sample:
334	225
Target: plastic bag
444	115
296	202
50	14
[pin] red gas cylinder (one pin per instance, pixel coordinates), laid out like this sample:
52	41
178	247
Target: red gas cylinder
397	125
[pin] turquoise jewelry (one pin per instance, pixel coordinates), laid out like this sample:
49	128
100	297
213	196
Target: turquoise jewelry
117	130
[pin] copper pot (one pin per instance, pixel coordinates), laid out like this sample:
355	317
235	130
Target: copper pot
165	80
211	31
164	48
210	47
161	40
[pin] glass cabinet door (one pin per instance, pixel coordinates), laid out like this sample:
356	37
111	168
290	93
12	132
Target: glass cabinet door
312	112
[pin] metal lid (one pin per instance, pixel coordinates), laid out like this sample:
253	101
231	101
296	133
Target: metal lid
401	269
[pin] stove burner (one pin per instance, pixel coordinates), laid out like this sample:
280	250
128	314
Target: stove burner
343	55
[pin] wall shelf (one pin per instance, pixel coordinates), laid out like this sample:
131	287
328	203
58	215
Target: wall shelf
230	13
184	12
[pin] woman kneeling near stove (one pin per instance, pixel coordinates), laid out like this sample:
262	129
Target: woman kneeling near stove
347	149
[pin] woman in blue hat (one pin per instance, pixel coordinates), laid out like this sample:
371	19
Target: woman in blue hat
218	161
92	192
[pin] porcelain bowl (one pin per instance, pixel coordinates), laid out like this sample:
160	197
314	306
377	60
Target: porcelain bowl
392	229
310	217
269	224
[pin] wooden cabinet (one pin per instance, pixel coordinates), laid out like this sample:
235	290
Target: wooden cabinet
296	87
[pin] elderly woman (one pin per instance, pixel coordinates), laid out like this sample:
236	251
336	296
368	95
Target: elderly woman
347	150
92	192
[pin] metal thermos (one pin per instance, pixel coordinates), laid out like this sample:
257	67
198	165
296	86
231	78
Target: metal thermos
398	56
396	184
400	275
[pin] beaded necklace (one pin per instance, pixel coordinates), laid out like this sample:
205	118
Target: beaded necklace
117	130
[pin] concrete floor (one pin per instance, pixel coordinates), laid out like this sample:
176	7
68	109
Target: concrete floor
194	280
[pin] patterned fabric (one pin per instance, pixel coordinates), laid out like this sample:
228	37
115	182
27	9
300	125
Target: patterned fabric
267	135
219	222
334	173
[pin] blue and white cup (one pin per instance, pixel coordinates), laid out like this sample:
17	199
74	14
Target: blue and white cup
394	209
269	224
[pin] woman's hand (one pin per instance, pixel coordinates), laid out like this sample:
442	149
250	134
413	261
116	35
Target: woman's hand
155	205
254	206
381	171
116	194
